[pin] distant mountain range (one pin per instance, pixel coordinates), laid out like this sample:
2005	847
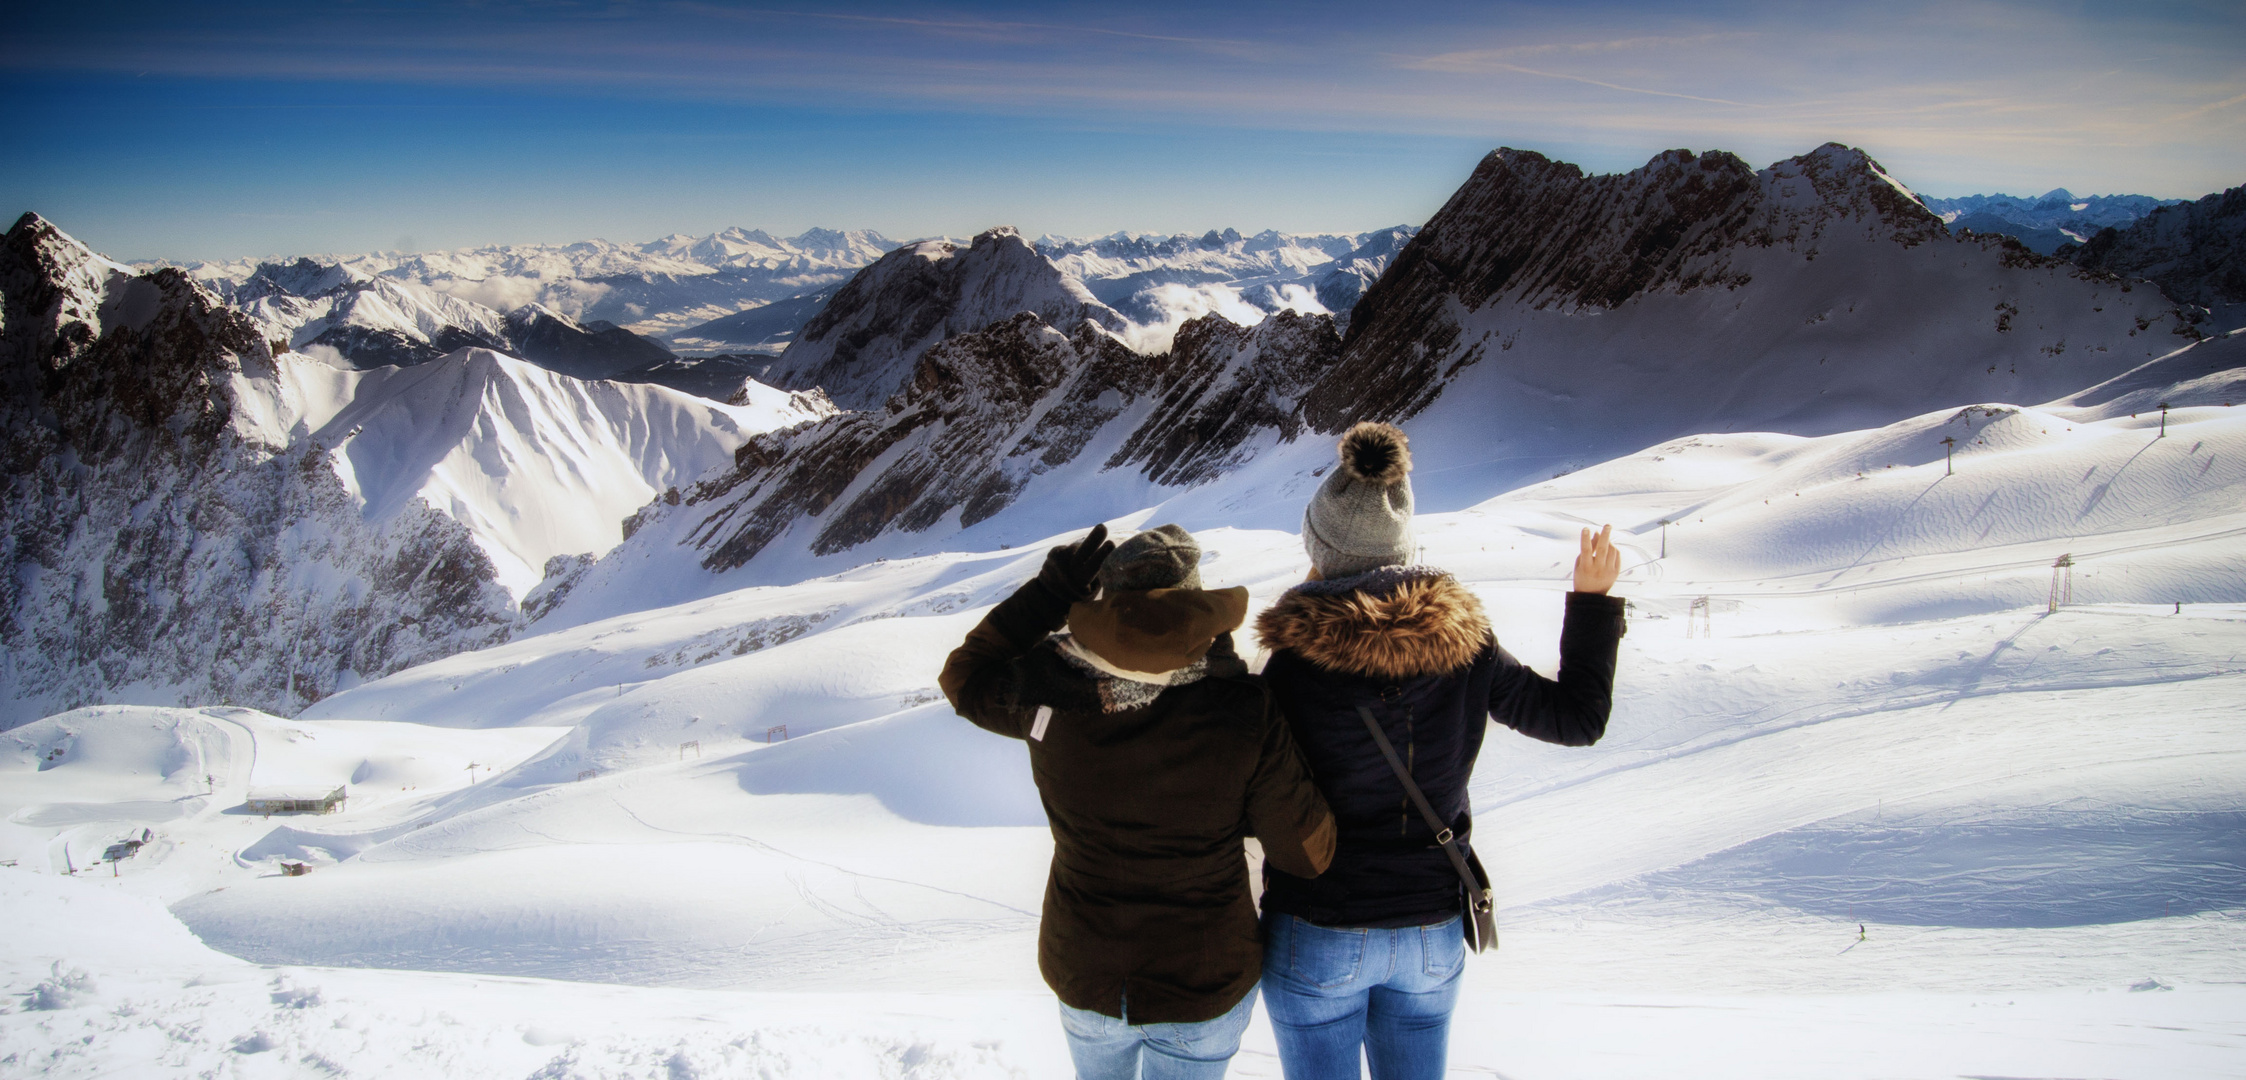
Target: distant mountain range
743	293
2045	222
264	482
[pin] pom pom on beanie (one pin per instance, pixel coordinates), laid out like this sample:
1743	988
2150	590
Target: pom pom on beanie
1361	517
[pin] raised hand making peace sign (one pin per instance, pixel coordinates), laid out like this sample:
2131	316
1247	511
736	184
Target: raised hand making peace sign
1599	564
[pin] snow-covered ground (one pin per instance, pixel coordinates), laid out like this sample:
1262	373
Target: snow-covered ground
743	835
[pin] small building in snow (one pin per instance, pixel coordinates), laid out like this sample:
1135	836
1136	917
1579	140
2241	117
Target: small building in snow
294	801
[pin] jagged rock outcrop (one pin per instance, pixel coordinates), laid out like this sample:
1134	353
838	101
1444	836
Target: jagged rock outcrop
156	545
1590	315
862	346
988	413
1529	231
1222	388
2195	252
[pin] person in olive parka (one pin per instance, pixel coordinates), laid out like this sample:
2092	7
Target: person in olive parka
1155	753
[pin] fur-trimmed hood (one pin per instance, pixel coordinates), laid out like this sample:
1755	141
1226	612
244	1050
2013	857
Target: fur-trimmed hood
1395	622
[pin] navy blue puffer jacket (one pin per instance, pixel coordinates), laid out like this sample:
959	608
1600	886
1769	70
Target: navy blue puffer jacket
1413	645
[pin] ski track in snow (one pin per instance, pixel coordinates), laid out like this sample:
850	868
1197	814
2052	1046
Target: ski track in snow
1874	720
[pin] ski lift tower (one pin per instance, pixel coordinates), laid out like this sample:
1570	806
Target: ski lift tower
2062	582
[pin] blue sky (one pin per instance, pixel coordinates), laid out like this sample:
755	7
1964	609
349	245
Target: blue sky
231	129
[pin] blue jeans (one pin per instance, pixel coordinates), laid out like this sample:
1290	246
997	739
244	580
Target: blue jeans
1331	990
1106	1048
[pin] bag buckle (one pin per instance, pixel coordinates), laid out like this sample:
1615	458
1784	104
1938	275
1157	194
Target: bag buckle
1443	839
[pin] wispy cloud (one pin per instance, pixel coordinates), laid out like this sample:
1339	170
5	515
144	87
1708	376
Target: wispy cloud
983	29
1474	59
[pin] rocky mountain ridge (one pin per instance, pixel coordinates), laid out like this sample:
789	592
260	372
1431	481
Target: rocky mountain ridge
2195	252
863	344
1811	296
1542	318
196	514
155	545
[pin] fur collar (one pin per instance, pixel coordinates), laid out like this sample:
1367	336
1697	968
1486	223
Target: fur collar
1394	622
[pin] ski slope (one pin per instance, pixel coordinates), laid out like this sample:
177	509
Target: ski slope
1875	718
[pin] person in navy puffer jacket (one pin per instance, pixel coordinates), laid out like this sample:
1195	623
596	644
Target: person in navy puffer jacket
1370	952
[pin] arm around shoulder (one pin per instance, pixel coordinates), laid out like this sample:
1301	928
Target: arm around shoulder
1285	810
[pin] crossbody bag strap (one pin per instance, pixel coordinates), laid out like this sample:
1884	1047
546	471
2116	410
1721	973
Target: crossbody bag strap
1477	895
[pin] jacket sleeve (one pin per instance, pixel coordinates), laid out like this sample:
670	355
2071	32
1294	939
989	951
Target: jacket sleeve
1571	710
1285	811
979	677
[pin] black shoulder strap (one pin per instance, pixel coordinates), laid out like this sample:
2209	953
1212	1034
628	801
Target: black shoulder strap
1480	917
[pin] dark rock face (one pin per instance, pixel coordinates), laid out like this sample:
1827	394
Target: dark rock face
863	344
718	378
1222	386
1528	230
150	544
987	412
595	350
2195	252
372	347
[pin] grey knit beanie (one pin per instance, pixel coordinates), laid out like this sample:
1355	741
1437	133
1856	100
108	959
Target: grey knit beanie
1164	557
1361	517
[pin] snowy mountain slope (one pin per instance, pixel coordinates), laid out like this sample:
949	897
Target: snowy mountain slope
535	464
1578	317
337	311
158	547
745	290
2008	796
369	321
207	521
861	346
1875	721
1353	273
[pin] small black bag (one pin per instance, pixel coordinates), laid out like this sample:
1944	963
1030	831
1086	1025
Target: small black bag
1480	923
